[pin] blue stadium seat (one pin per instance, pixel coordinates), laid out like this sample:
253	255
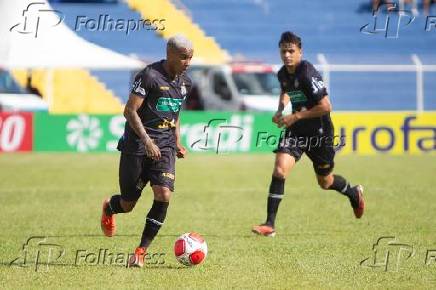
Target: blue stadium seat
328	27
332	28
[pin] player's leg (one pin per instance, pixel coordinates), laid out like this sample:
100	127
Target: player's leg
341	185
154	221
161	176
323	163
284	162
131	185
157	214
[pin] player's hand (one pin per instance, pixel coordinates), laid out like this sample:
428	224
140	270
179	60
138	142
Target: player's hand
151	149
181	151
288	120
276	117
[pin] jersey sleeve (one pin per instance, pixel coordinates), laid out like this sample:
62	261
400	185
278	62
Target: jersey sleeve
281	78
142	84
314	84
189	88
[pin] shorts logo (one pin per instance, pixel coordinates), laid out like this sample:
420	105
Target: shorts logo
324	166
168	175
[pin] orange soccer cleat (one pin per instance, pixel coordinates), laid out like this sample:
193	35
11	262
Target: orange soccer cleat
137	259
360	207
108	225
264	230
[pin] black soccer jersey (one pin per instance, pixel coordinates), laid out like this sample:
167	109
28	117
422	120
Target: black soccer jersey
159	112
305	89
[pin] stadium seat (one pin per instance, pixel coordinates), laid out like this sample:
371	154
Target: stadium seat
333	29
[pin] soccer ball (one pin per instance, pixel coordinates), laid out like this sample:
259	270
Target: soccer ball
190	249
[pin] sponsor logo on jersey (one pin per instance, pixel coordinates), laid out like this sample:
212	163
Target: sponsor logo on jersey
167	124
297	97
168	104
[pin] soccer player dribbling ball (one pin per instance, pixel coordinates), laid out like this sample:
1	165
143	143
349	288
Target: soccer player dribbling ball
151	141
302	85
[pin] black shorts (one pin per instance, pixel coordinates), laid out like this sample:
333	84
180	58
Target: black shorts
137	170
319	148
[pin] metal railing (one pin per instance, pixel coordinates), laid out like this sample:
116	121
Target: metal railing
326	68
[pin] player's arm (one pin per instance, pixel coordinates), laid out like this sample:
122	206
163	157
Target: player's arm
132	117
283	102
181	150
322	108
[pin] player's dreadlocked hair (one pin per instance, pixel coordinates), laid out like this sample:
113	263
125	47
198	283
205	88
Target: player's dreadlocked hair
290	37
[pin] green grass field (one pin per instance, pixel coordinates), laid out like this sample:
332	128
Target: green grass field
319	243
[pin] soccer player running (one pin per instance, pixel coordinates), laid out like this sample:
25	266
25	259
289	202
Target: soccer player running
302	85
150	142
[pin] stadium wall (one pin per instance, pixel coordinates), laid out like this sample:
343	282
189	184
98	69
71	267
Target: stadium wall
363	133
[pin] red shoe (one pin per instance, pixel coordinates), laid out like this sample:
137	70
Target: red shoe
358	211
264	230
137	259
108	225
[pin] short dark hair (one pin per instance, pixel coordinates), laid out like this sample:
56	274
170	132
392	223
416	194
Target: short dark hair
290	37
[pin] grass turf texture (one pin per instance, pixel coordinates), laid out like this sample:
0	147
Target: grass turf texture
319	242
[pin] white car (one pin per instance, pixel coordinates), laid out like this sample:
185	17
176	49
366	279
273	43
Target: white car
236	87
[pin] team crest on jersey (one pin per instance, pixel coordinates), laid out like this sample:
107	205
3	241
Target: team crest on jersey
183	89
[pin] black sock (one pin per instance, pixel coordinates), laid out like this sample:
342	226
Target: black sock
342	186
114	205
276	191
155	219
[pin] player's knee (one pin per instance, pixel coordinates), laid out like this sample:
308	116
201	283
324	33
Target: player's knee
161	193
127	205
324	183
279	172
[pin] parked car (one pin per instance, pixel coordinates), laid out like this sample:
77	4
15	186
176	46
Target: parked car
234	87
